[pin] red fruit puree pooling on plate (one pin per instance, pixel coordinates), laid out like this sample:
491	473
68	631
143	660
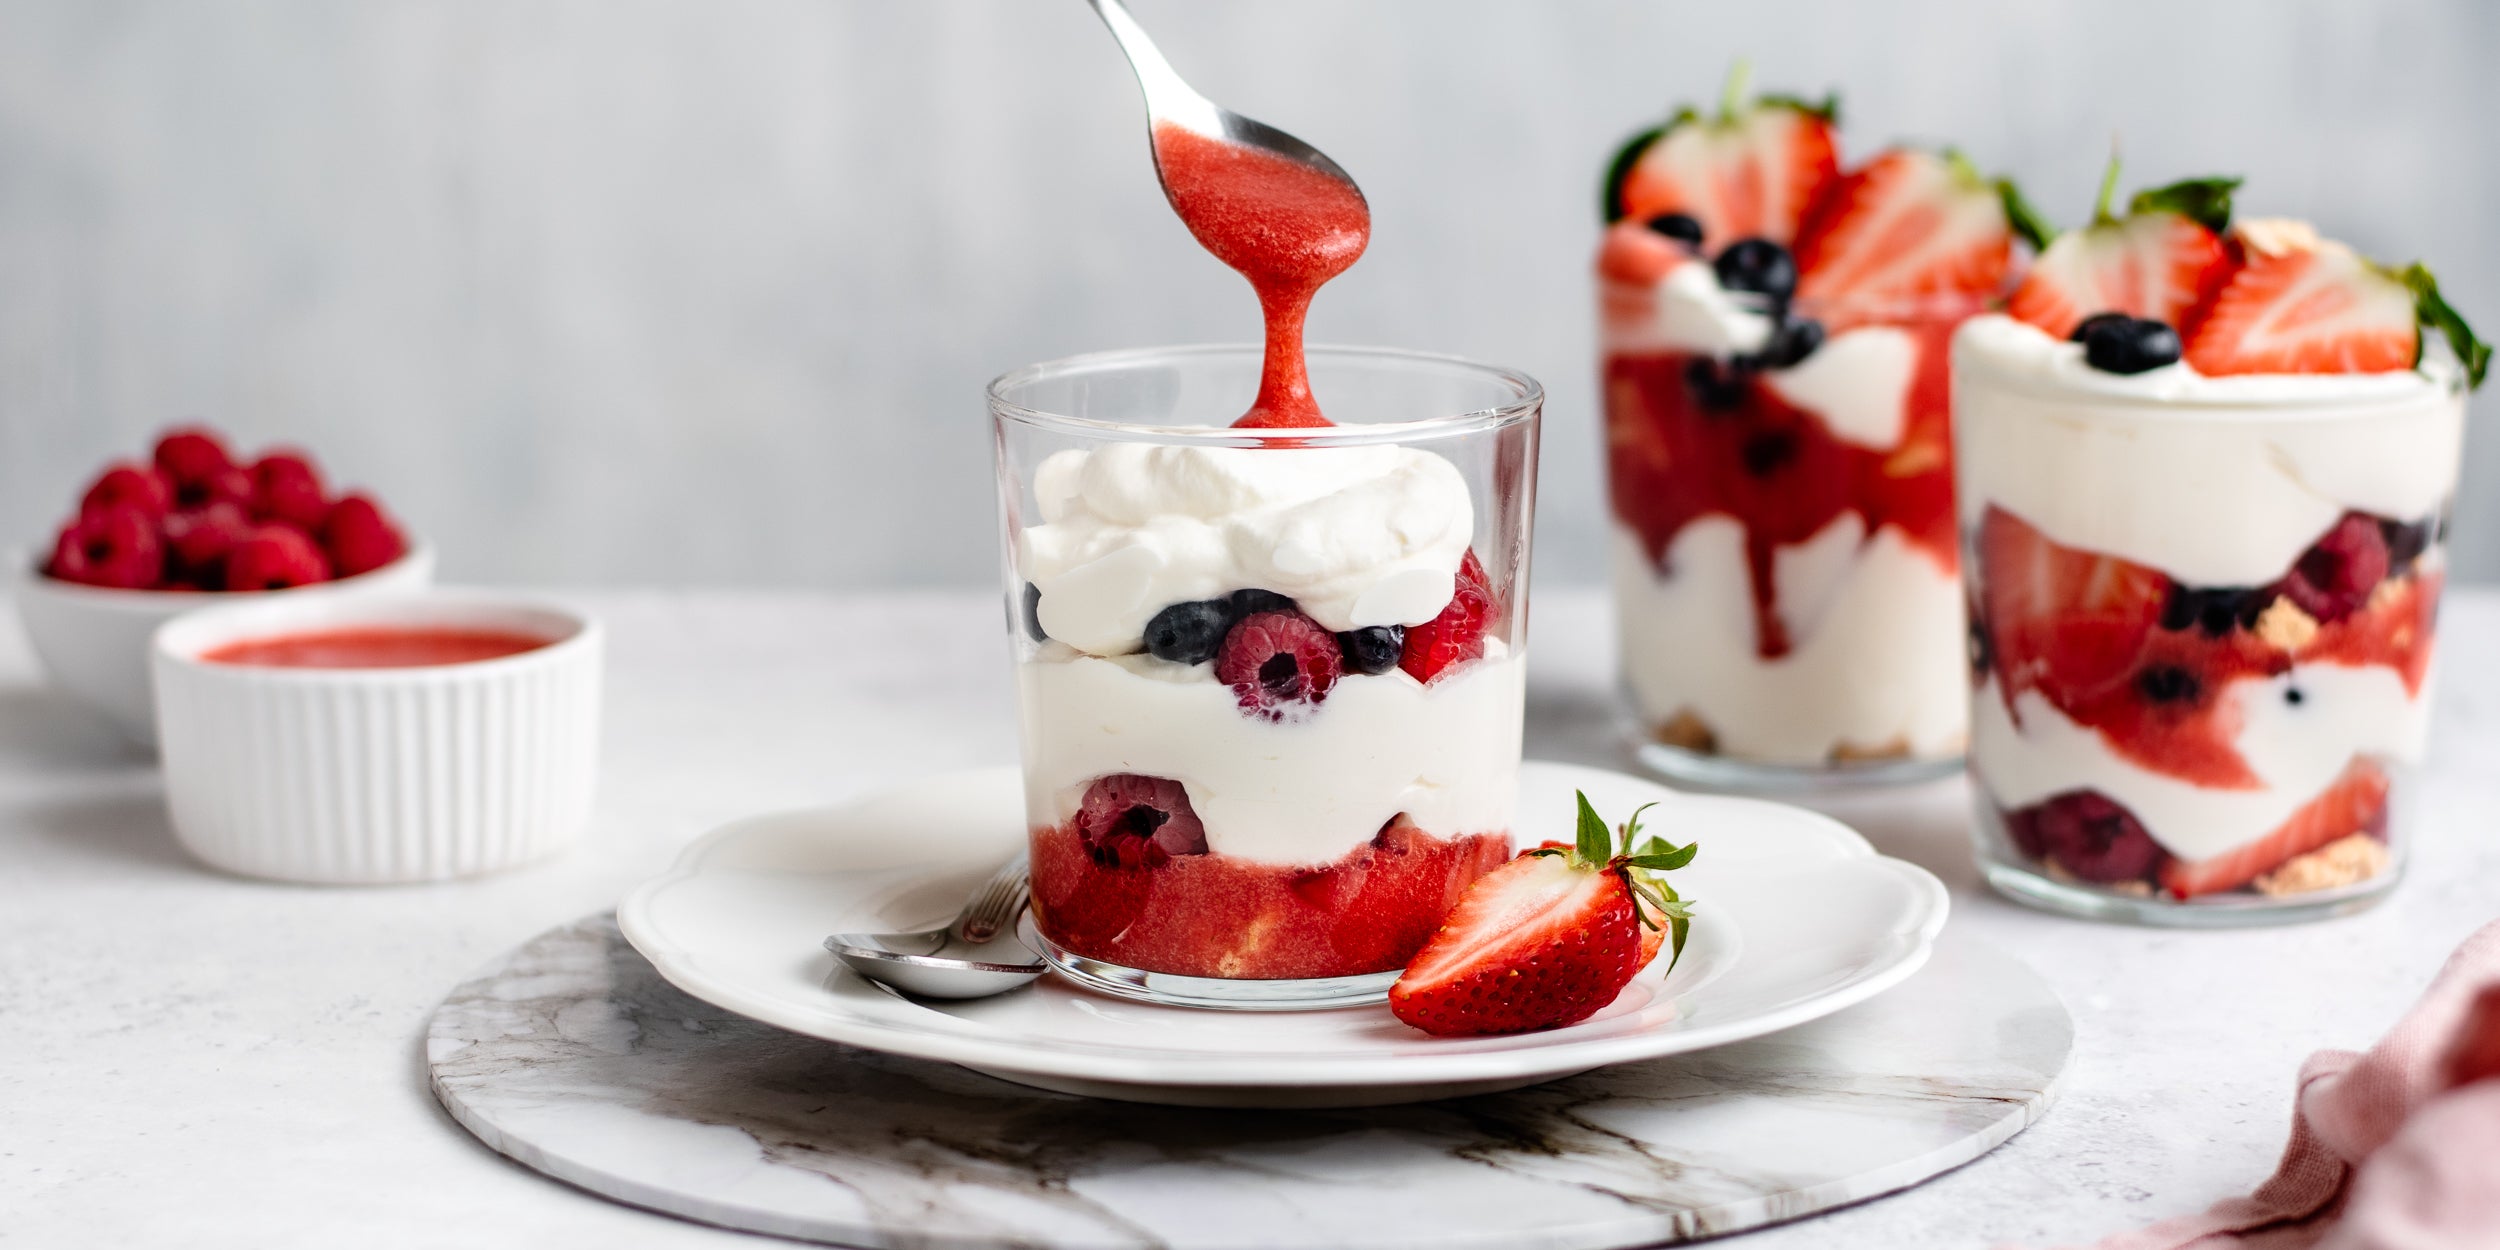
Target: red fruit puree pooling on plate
376	647
1286	227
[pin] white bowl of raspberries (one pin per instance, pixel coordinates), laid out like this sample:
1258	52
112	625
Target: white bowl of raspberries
193	526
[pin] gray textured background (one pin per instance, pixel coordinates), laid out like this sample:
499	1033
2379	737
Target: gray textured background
705	290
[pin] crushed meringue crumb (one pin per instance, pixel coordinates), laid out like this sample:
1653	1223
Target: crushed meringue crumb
2354	858
1688	731
2284	626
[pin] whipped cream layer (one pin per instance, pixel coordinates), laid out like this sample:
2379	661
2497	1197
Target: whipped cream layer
2296	748
1356	536
1301	791
1876	663
1686	310
2216	481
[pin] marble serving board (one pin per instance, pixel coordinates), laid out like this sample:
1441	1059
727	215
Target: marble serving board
572	1056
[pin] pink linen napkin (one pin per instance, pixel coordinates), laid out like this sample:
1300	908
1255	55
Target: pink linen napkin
2396	1149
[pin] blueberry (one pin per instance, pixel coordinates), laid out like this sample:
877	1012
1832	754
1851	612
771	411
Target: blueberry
1373	649
1246	602
2215	609
1758	265
1189	633
2129	345
1982	651
1714	388
1764	452
1677	226
1795	340
2168	683
1033	612
2406	541
2083	329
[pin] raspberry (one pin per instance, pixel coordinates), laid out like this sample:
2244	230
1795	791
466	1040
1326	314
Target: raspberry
286	487
197	542
192	454
1455	636
1133	821
274	557
360	537
2336	575
1278	663
111	546
136	485
2087	834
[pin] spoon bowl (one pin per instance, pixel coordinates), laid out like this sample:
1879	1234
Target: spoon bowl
975	955
1170	99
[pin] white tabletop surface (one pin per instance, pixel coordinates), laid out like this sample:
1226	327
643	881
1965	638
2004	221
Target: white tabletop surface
191	1059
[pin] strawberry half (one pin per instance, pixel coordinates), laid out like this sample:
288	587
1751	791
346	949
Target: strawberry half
2067	623
2320	308
1550	937
2164	261
1906	224
1750	172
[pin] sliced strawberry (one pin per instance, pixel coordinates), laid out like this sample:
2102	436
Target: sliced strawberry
2320	309
1750	172
1908	223
1636	255
2155	263
1549	938
2356	803
1457	634
2067	623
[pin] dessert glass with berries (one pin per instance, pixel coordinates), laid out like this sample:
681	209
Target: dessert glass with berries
2206	471
1774	334
1270	678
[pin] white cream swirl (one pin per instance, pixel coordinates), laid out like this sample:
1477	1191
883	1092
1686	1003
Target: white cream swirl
1356	536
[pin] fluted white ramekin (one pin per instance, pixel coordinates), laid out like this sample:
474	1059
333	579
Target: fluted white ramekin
378	775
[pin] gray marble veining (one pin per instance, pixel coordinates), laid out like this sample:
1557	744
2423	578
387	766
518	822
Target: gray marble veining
572	1056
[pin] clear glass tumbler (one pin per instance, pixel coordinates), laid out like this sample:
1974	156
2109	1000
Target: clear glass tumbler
1270	682
1787	595
2202	618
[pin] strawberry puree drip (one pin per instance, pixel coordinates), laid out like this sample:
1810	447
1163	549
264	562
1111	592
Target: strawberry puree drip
1209	915
1286	227
375	648
1776	468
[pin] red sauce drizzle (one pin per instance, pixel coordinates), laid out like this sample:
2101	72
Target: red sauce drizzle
378	647
1286	227
1775	468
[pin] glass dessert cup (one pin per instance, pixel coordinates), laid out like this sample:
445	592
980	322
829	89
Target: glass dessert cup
1270	682
1785	569
2202	622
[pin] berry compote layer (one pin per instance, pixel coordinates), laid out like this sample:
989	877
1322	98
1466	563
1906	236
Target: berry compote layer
1781	482
1271	719
2203	612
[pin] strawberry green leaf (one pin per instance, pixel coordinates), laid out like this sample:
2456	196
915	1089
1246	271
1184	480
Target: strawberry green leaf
1827	108
1631	828
2027	222
2205	201
1674	858
1677	930
2109	188
2436	313
1596	842
1621	167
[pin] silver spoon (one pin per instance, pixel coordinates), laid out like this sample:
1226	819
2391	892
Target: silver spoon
974	956
1168	99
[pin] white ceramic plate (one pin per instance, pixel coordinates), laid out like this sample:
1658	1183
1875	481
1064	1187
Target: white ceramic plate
1797	917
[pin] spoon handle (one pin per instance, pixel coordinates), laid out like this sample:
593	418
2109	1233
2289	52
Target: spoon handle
1167	94
997	903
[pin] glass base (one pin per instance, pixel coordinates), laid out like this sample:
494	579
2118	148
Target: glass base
1721	772
1171	989
2222	911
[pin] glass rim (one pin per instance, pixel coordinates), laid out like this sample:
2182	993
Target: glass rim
1529	397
